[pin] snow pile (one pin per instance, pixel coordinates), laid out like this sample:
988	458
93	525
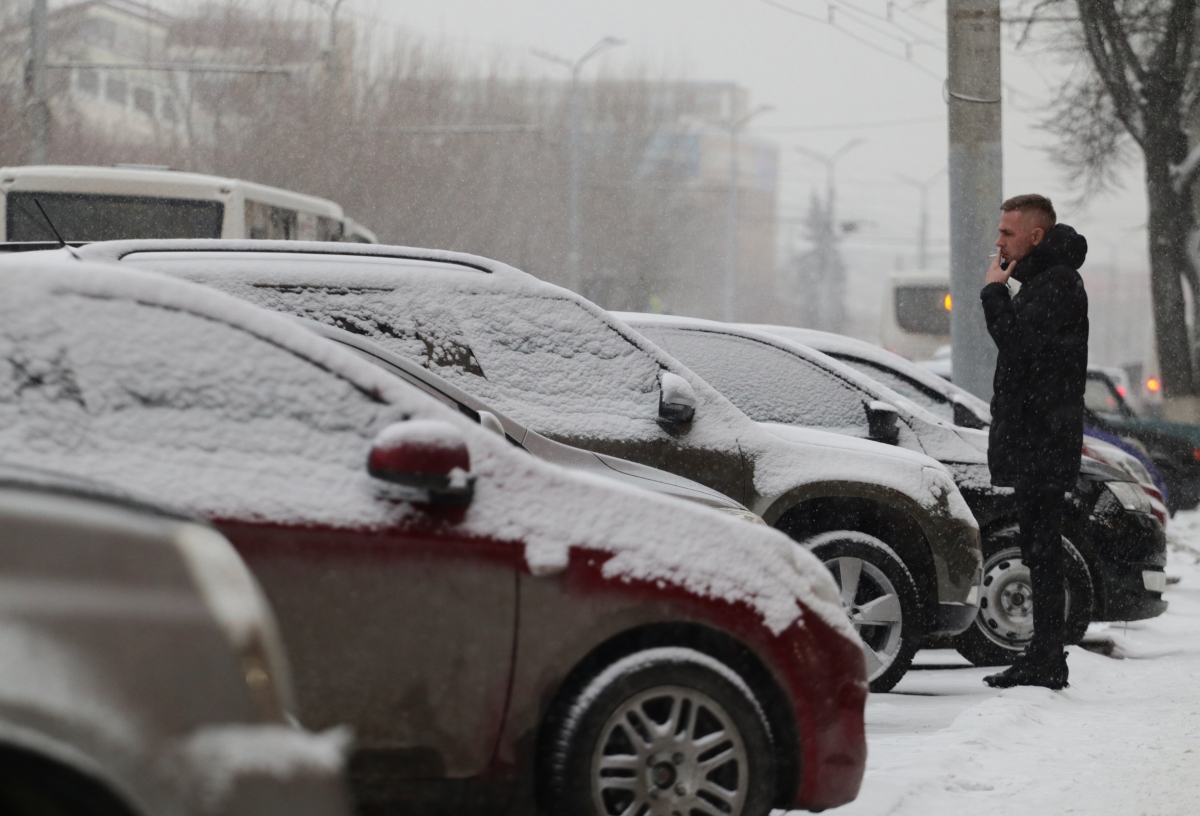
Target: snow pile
142	381
215	761
1123	739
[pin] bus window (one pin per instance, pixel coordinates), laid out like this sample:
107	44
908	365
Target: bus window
266	223
923	309
94	217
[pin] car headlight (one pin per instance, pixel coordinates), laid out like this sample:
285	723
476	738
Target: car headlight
744	515
1131	496
241	611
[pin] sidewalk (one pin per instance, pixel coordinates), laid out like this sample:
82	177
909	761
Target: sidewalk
1123	739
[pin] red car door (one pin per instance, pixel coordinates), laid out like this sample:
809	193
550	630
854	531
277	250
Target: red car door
396	624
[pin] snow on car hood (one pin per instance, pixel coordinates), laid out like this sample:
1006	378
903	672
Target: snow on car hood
47	303
489	329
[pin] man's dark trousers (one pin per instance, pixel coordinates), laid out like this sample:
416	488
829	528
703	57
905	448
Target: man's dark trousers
1040	514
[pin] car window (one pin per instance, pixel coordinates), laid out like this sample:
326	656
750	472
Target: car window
1099	398
928	399
198	412
766	383
543	360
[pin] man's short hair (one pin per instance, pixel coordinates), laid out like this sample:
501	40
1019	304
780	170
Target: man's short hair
1032	202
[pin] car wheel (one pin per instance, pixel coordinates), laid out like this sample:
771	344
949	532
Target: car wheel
1004	625
880	597
666	730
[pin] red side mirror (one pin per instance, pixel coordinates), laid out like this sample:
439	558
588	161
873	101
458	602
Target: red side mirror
428	455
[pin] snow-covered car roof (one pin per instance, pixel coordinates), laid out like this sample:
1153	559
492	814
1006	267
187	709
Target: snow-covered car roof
44	298
830	343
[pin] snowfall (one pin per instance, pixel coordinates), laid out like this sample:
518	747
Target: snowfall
1124	738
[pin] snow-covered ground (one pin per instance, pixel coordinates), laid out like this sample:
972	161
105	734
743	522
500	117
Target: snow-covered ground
1123	739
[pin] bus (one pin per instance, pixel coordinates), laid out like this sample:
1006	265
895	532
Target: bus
916	314
112	203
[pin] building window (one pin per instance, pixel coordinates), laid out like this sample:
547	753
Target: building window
143	100
115	89
87	80
167	110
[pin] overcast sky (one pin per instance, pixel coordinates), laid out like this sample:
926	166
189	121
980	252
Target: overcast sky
816	76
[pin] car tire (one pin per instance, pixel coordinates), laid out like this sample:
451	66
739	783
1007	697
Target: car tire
628	738
882	604
1004	626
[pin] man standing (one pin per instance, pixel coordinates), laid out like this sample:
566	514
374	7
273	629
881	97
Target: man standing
1037	408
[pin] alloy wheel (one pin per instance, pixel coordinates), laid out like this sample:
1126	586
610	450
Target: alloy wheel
873	606
670	751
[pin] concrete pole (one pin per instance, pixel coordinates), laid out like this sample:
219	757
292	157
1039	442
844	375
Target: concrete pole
575	279
731	231
976	180
38	110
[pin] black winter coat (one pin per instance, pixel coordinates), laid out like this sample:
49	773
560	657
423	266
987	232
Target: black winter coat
1042	334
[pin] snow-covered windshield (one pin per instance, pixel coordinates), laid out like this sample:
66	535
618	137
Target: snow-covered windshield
536	356
768	384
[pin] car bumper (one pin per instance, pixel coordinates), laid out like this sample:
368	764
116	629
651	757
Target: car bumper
1127	545
954	618
830	693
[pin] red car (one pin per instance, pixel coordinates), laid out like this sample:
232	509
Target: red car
501	634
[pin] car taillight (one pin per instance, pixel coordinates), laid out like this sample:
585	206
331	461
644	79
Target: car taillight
1196	454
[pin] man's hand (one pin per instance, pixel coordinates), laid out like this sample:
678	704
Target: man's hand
995	274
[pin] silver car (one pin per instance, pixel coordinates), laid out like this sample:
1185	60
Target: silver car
140	670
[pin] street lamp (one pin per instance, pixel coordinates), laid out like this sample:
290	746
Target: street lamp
830	161
575	66
734	126
330	54
923	236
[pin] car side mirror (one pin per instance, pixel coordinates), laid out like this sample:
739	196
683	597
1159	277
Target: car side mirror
427	455
491	422
676	401
883	422
964	417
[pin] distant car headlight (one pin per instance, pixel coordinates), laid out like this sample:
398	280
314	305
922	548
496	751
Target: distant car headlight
1131	496
744	515
240	609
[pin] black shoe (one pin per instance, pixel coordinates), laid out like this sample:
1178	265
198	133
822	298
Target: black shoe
1049	671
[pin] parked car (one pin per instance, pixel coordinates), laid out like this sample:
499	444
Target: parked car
1117	547
889	522
568	456
954	404
1173	446
141	672
498	631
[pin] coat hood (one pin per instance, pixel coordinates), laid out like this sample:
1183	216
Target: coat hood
1062	245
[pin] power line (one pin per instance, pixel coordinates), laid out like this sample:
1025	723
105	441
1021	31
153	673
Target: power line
882	123
832	22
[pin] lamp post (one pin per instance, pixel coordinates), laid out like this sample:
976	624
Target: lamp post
332	70
734	126
923	234
574	281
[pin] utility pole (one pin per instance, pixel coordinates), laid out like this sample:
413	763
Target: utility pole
38	109
976	180
574	277
923	228
734	126
332	66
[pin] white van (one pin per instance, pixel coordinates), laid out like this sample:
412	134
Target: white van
106	203
916	314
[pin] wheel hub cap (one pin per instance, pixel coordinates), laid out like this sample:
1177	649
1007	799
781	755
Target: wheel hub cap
666	751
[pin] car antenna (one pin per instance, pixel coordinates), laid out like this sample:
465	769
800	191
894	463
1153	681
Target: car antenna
54	229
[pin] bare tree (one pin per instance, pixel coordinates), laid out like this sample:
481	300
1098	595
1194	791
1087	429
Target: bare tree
1141	86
